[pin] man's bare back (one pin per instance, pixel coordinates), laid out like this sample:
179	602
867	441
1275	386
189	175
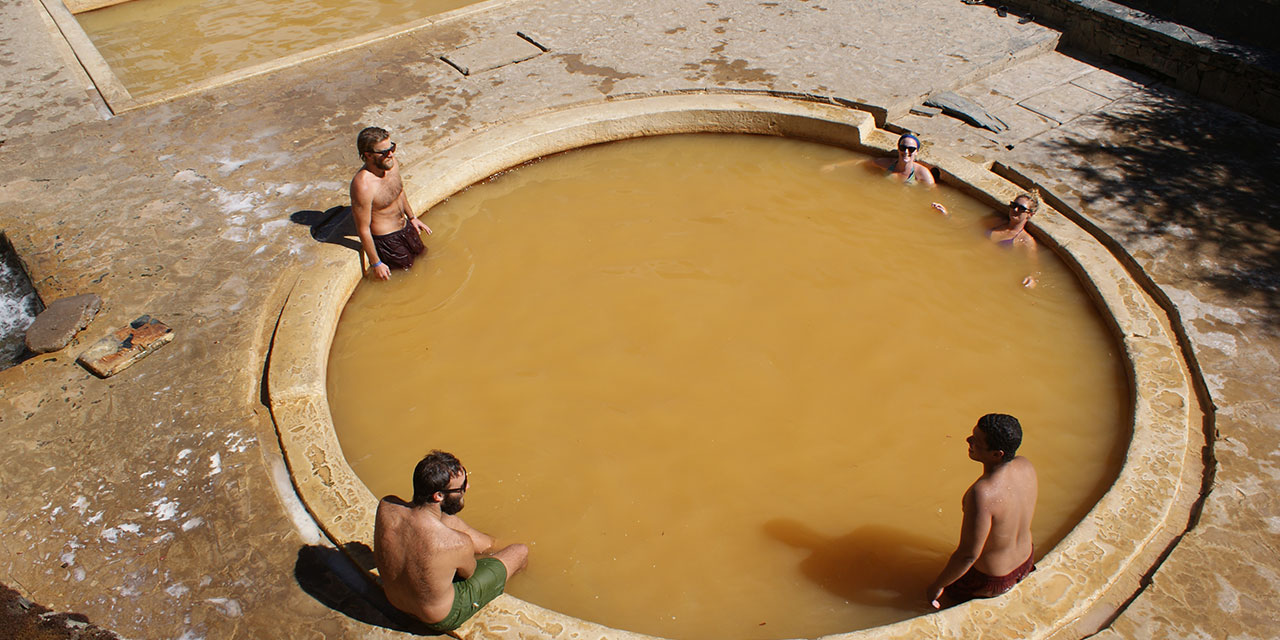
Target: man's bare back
1008	497
417	557
995	548
427	557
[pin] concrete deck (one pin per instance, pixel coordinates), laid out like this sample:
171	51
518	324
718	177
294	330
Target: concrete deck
157	502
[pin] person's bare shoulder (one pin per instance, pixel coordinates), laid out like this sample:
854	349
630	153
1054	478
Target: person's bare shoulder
990	488
362	181
390	513
926	177
1024	467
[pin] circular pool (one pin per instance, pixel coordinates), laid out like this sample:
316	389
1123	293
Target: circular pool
721	383
343	504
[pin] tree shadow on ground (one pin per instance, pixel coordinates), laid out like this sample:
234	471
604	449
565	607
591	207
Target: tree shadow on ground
874	565
1194	175
341	581
333	225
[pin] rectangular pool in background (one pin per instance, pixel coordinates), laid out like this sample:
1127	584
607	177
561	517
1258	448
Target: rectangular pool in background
161	46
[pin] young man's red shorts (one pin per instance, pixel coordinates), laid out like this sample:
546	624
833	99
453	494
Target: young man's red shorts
976	584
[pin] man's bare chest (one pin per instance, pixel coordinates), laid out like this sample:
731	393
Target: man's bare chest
387	191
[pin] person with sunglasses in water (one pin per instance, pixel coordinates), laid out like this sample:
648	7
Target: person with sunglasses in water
904	167
434	566
389	232
1013	232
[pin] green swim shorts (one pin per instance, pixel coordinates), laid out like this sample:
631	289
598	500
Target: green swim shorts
469	595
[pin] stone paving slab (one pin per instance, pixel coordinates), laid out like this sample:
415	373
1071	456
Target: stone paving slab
1023	123
1033	76
1109	84
490	54
1064	103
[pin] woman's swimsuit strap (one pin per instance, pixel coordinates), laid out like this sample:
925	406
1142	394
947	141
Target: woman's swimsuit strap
1008	242
911	177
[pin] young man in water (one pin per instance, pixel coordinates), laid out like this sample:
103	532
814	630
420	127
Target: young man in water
430	561
389	232
995	550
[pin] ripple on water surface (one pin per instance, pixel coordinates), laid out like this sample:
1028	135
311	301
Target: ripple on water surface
721	391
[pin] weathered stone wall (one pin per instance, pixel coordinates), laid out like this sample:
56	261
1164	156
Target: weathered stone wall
1241	77
1249	21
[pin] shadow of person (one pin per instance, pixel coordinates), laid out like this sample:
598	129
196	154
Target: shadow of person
334	225
342	582
874	565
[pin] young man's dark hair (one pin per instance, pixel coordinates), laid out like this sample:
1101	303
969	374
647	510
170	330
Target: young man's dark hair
433	474
368	137
1003	433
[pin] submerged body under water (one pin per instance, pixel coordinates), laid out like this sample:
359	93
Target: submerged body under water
720	391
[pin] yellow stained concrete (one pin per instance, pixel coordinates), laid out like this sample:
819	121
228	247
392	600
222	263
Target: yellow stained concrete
119	99
1144	510
81	6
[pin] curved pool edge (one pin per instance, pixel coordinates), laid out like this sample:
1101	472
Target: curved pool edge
1136	516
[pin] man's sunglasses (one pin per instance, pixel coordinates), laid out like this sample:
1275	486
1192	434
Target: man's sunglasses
385	152
908	149
1019	207
466	479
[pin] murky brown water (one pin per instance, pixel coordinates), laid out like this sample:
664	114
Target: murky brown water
720	392
158	45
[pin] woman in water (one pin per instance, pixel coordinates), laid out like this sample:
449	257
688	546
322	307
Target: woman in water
1013	232
904	168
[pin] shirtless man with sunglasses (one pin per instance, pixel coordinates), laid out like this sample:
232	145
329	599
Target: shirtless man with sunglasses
433	565
389	232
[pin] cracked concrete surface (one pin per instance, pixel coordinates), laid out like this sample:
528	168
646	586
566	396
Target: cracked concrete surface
153	502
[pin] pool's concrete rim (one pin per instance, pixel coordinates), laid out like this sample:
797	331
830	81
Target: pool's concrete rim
1137	513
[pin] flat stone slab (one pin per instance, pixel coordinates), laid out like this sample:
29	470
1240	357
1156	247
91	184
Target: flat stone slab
1065	102
61	321
1035	76
125	346
491	54
954	104
1023	124
1107	84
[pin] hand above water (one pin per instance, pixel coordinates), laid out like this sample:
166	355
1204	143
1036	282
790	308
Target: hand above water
421	226
940	208
933	593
